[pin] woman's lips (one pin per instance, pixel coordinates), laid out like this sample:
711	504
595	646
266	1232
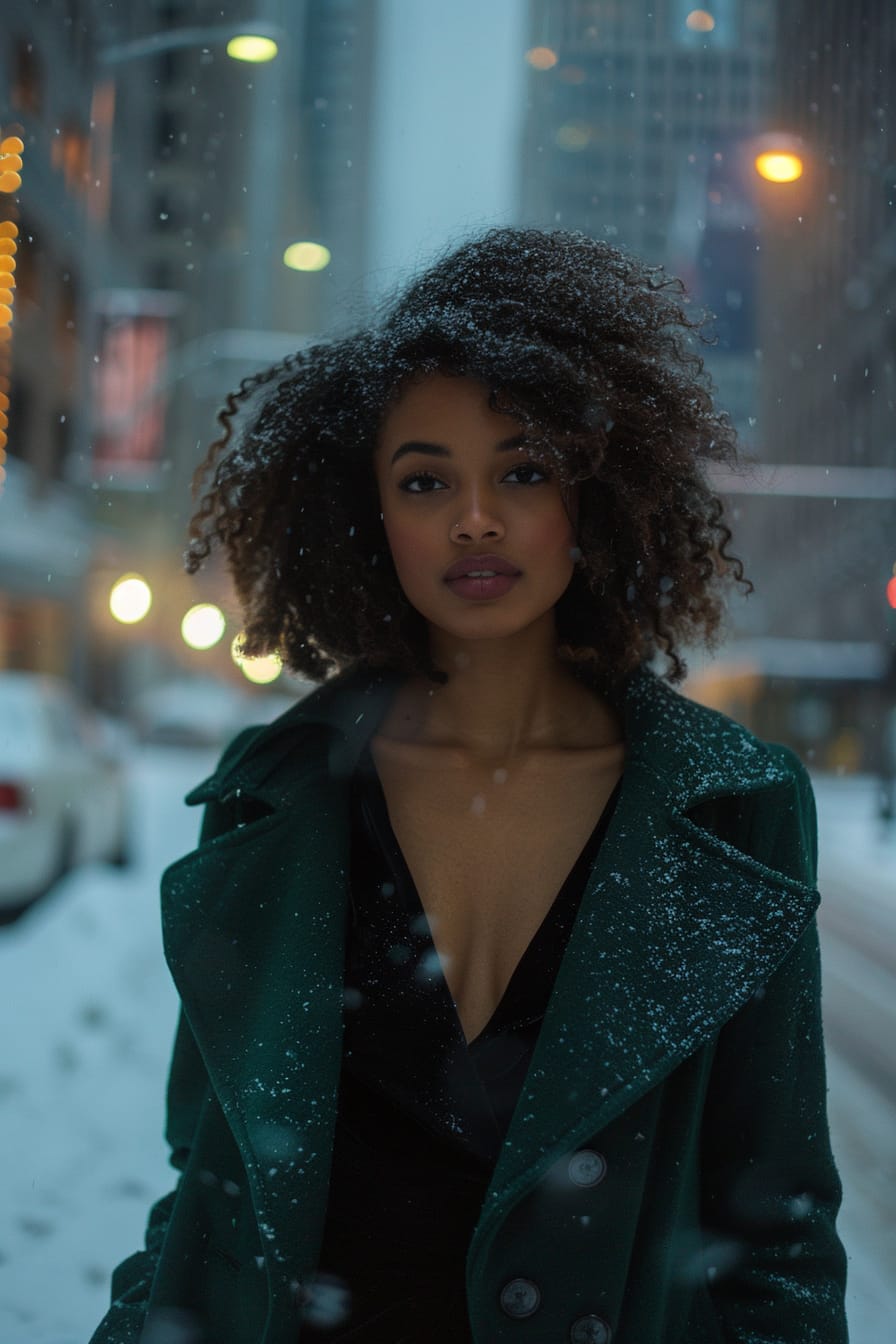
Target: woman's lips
483	588
481	577
471	564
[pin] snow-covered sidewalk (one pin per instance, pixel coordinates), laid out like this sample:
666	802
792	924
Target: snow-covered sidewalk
857	861
88	1017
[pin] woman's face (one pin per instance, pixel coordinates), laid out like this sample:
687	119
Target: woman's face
455	483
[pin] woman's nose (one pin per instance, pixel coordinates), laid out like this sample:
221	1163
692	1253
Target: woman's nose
478	517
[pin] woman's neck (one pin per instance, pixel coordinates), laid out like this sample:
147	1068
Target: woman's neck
503	699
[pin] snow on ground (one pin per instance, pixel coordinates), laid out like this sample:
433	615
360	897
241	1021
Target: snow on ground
88	1015
857	869
855	846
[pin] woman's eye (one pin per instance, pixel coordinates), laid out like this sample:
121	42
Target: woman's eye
528	467
421	483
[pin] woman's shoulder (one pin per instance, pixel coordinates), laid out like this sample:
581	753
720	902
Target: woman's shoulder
346	704
678	731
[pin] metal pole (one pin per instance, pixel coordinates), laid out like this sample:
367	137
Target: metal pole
174	38
264	207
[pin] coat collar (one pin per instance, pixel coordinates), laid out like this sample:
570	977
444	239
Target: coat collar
348	707
693	752
676	930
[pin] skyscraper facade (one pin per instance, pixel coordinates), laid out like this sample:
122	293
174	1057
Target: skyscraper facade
639	130
644	127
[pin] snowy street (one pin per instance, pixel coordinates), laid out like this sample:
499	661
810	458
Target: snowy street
88	1015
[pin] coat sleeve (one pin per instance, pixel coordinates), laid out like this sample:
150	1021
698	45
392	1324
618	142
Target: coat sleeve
188	1087
132	1280
776	1269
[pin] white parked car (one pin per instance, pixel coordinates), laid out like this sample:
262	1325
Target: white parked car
63	794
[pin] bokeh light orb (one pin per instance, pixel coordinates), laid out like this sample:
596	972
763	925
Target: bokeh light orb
541	58
251	47
203	626
700	21
130	599
779	165
261	670
306	256
573	137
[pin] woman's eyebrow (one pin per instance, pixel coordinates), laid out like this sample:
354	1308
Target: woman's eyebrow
439	449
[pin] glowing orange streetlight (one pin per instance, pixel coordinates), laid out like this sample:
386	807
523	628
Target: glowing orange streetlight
779	165
779	157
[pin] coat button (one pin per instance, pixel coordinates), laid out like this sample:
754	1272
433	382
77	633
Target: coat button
590	1330
520	1297
586	1167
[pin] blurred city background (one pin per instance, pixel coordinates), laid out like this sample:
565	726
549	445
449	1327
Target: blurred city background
188	192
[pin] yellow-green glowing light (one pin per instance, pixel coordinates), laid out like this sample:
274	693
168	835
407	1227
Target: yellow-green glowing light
250	47
203	626
306	256
130	599
261	670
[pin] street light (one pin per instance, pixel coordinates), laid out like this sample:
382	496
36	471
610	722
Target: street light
130	599
262	670
306	257
264	37
779	157
203	626
251	47
779	166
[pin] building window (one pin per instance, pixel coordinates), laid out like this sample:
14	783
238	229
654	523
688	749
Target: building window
71	156
18	429
62	441
26	94
28	293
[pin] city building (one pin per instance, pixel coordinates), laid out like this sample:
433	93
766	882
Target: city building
823	554
53	205
163	176
645	126
639	123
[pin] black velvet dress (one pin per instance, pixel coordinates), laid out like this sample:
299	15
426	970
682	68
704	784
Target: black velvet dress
422	1113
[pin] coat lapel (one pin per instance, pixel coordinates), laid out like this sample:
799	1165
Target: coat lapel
256	953
675	931
253	928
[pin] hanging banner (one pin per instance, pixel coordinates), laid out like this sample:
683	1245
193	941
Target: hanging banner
131	385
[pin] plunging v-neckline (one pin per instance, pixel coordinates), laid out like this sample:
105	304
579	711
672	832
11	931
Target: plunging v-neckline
571	887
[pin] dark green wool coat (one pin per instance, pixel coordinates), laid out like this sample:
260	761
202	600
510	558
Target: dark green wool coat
682	1042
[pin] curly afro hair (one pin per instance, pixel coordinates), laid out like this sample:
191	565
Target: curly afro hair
594	353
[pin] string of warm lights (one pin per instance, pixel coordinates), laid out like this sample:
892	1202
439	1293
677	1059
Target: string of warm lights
11	149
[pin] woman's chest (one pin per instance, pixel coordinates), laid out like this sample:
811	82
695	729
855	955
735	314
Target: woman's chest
487	857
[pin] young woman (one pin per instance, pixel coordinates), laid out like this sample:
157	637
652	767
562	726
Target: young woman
497	956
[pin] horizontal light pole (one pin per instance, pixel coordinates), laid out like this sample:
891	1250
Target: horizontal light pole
175	38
